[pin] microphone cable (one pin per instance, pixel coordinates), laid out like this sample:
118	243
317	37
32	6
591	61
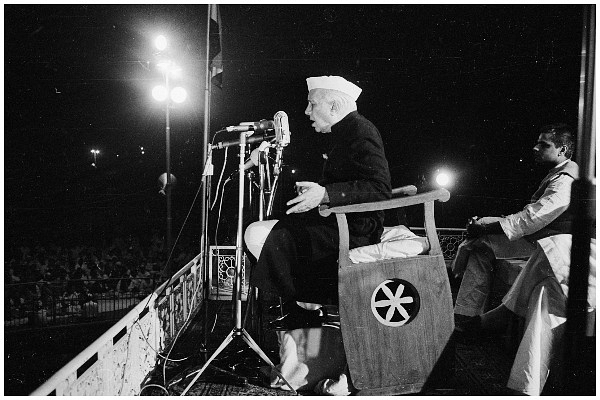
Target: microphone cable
221	176
179	234
172	346
150	296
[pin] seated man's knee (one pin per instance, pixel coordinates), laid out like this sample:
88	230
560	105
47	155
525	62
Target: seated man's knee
255	235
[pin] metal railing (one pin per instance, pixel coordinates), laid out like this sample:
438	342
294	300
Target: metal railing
42	304
221	265
449	238
119	361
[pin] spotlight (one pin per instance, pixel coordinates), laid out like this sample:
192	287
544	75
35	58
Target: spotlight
443	178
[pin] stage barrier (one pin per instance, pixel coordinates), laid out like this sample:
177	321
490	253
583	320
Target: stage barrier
221	265
118	362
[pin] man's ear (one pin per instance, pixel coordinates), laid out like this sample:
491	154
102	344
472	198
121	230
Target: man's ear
335	107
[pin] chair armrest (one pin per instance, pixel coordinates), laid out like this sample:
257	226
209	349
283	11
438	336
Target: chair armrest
426	198
439	194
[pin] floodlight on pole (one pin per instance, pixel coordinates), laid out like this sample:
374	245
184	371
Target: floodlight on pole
95	152
164	65
160	93
160	42
164	93
178	94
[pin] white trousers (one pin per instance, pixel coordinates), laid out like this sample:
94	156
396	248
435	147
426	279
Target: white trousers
255	235
540	296
475	259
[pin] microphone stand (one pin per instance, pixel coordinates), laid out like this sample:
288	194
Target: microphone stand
238	330
253	309
254	306
204	240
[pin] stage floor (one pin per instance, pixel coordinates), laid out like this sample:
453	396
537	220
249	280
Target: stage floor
481	367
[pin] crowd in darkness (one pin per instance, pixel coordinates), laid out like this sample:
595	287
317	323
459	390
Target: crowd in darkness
37	276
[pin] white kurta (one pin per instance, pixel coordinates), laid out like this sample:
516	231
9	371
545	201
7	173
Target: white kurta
540	213
475	257
540	296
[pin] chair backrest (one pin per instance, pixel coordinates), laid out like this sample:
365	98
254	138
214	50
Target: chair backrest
408	199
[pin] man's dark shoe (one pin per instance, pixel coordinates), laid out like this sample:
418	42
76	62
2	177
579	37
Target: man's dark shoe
299	318
281	309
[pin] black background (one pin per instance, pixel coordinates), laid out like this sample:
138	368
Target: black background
458	86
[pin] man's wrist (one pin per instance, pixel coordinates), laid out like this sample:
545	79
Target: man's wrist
325	199
493	228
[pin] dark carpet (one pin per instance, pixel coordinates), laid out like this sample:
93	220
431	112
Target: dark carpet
480	367
219	389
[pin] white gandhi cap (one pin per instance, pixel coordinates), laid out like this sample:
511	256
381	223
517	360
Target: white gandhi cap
334	82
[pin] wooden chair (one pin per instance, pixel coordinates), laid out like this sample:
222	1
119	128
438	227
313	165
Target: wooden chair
396	315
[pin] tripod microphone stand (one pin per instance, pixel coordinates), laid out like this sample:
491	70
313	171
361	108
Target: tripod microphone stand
253	309
238	330
282	139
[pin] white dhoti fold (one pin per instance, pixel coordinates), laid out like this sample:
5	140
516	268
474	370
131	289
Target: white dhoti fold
313	359
540	296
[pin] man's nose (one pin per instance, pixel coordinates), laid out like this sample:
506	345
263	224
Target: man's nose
307	110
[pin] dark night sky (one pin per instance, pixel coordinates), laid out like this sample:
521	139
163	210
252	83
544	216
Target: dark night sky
461	86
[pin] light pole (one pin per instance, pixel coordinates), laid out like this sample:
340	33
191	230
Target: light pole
169	96
95	153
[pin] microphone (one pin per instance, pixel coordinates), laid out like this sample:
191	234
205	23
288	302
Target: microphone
282	137
260	126
252	161
282	128
235	142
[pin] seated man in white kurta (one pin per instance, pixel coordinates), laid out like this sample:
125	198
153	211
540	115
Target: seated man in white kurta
514	236
539	294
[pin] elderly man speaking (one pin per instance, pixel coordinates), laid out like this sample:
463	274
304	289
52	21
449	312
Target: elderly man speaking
294	250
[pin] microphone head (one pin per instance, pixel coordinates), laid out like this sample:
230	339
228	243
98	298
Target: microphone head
260	126
263	125
282	128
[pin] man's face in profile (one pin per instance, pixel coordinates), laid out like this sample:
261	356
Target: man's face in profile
319	111
545	151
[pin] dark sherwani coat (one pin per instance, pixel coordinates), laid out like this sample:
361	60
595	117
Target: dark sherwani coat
301	251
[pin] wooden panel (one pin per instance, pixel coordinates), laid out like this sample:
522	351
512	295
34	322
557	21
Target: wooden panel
430	230
381	356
